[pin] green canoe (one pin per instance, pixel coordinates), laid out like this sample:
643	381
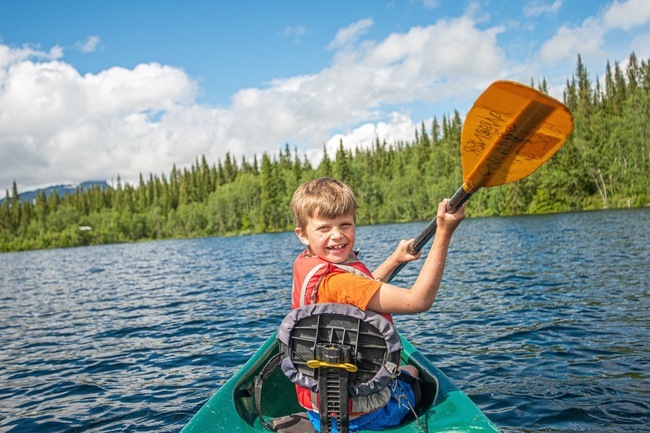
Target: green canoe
232	408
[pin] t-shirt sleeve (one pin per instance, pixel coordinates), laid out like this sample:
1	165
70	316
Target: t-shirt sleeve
347	288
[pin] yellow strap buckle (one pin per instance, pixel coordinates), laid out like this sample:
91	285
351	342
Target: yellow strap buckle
315	363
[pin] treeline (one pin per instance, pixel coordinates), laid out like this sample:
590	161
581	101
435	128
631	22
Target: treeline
603	165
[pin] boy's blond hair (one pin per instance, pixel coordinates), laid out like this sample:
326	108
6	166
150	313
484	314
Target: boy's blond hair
325	198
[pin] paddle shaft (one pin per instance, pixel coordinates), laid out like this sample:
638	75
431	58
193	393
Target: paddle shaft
454	203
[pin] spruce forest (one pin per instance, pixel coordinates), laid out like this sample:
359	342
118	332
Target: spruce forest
603	165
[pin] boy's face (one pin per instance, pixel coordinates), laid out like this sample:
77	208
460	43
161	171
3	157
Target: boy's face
329	239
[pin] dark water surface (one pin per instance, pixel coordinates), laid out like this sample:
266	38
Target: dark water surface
543	321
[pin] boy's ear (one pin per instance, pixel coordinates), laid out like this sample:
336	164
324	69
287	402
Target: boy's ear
302	236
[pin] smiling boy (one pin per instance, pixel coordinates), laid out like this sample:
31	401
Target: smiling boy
329	271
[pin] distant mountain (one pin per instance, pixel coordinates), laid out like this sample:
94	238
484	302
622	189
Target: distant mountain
62	190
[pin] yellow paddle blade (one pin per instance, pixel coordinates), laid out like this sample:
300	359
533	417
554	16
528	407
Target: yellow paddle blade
510	131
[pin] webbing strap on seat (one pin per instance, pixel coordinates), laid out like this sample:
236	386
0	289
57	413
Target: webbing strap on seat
333	384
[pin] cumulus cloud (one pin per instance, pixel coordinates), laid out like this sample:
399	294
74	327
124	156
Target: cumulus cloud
351	33
295	32
627	14
399	128
586	39
57	125
590	37
427	63
536	8
10	56
89	45
641	45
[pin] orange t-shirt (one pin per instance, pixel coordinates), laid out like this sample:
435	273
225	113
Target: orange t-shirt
347	288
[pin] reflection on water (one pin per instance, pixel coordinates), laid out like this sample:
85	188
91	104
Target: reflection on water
541	320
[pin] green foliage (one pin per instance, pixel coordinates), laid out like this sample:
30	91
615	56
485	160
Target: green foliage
604	164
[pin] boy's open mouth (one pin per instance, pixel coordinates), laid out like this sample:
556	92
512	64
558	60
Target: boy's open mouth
337	247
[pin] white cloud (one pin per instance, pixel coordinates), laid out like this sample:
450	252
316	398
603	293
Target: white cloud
641	45
476	10
628	14
89	45
535	8
427	63
567	42
295	32
590	37
430	4
10	56
351	33
399	128
58	126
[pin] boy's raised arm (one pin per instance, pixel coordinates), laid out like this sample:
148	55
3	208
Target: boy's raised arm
420	297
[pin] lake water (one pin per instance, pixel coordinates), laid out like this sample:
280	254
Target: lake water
543	321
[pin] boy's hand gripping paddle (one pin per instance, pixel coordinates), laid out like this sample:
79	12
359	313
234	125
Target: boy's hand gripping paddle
510	131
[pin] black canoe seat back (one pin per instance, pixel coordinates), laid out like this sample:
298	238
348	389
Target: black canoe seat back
346	355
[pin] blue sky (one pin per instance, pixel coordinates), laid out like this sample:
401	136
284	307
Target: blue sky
92	90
